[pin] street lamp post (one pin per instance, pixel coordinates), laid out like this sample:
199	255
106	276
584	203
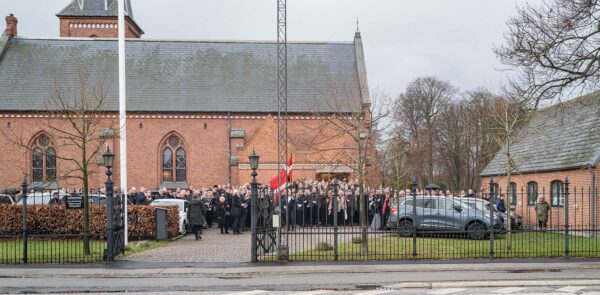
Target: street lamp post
108	158
253	159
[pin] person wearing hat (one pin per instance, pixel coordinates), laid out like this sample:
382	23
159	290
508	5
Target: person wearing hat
222	213
541	209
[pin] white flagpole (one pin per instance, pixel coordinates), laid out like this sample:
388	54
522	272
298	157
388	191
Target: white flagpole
122	108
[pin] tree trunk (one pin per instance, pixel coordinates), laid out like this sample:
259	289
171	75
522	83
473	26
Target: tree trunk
508	182
86	203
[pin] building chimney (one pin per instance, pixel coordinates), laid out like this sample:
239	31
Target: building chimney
11	26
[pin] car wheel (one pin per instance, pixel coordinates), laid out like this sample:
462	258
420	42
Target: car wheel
476	231
405	228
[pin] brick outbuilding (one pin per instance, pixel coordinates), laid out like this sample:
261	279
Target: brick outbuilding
559	142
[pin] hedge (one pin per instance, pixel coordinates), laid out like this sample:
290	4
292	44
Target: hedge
58	220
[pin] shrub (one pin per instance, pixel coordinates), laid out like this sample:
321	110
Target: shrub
58	220
322	246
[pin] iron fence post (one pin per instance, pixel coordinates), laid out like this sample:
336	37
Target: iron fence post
567	217
110	211
24	216
492	197
254	219
335	221
414	229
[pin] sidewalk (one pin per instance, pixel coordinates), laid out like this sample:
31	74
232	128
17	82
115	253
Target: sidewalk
127	269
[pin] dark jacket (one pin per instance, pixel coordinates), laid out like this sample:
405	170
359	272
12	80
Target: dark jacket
236	206
197	212
500	205
222	209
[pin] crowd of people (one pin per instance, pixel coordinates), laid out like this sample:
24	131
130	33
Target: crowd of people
306	203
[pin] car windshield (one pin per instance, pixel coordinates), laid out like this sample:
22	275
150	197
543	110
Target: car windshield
168	203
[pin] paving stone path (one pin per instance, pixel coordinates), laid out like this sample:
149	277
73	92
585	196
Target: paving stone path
214	247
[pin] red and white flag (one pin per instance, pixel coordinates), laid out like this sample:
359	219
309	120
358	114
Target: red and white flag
285	175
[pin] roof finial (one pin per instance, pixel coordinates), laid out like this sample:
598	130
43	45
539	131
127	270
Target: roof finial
357	33
357	29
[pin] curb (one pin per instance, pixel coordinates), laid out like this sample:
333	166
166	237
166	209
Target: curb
492	284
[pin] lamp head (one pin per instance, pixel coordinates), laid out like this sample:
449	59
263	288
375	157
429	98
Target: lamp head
108	158
253	159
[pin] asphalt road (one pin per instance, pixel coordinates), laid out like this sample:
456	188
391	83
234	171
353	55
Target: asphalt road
493	278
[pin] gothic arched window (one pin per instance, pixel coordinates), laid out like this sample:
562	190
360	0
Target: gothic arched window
173	163
43	160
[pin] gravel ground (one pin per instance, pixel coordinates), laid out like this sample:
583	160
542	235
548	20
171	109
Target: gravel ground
214	247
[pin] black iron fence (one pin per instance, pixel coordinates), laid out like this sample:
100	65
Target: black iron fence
433	225
51	227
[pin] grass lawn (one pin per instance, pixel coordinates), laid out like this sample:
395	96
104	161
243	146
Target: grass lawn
65	251
524	245
50	251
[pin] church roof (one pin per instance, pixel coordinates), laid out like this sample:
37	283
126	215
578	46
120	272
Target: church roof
180	76
95	8
562	137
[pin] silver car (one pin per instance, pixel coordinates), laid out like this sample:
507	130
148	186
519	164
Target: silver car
441	215
516	220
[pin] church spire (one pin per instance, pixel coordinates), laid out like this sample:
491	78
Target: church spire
96	18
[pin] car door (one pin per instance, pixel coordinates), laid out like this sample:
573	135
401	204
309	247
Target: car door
448	217
426	213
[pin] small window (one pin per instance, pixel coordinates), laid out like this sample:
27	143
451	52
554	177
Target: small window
43	160
513	193
532	193
205	126
174	168
556	193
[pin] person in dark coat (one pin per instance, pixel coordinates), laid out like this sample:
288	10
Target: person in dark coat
196	217
500	204
236	212
222	214
291	207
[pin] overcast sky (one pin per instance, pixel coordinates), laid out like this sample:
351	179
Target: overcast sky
403	39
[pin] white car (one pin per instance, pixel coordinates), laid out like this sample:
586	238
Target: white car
183	211
42	198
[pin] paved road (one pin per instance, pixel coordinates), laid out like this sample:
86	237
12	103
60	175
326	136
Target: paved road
213	247
482	278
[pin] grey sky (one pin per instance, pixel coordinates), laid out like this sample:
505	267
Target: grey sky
403	39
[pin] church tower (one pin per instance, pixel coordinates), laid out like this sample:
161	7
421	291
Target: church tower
96	19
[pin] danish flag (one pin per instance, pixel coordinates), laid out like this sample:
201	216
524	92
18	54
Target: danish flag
285	175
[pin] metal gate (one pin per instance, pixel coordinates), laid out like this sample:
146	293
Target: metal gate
115	226
264	242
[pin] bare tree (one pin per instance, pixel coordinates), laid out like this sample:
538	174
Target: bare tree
554	47
511	115
420	105
75	120
347	135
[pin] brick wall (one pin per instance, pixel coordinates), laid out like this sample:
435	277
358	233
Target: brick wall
100	27
584	200
204	136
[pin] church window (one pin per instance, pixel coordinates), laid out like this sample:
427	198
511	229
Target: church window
174	160
43	160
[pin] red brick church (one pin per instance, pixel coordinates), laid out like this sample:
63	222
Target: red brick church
195	109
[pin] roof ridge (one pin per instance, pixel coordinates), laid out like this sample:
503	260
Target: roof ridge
184	40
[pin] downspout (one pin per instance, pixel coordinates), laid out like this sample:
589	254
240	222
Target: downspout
229	147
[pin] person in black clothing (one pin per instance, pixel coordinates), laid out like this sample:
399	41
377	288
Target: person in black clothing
236	212
291	203
222	213
196	217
